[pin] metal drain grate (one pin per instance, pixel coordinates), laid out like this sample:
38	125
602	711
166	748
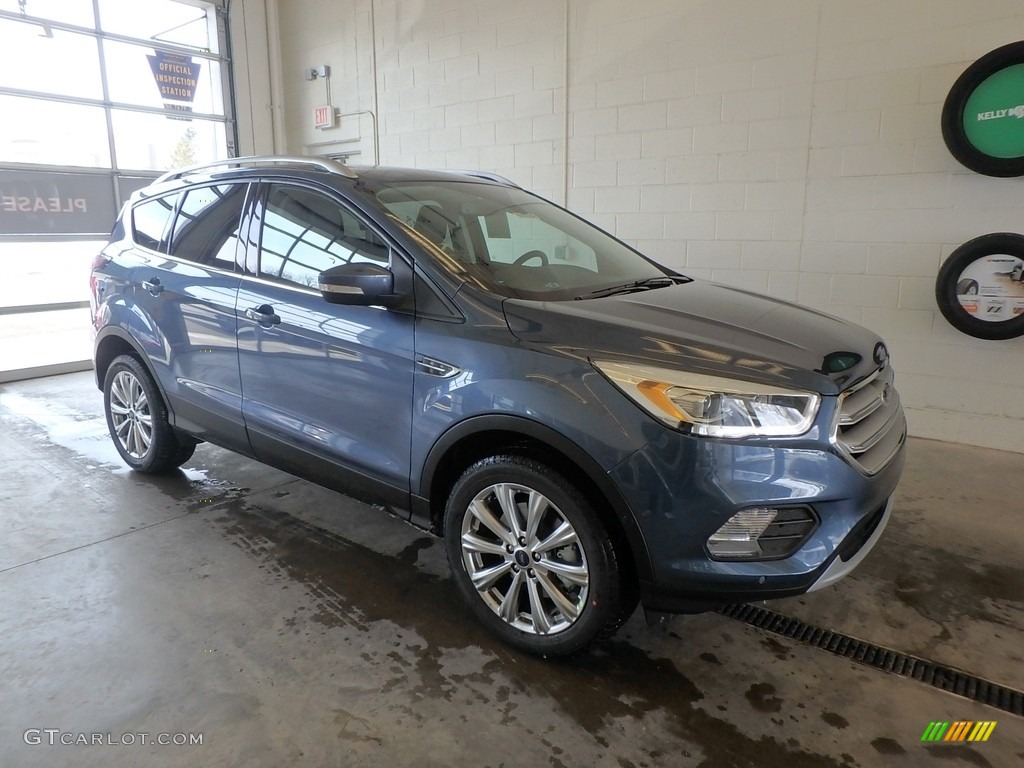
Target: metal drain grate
885	659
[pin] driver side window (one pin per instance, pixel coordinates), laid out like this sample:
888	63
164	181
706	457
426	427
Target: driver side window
306	232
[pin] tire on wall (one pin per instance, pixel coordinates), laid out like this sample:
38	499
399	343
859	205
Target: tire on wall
983	116
975	289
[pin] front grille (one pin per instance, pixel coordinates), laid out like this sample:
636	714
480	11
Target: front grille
870	427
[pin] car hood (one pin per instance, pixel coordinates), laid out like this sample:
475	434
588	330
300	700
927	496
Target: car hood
706	328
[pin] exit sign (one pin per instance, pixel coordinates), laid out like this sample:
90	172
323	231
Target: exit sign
323	117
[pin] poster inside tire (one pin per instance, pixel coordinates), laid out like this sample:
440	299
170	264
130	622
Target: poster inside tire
980	287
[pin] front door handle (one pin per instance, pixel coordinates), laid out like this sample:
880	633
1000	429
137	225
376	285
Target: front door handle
264	315
153	286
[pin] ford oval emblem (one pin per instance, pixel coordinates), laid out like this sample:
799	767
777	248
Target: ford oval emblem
881	354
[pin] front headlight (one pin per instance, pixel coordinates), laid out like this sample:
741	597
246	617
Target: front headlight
712	406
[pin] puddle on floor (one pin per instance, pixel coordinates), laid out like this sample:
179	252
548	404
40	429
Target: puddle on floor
616	693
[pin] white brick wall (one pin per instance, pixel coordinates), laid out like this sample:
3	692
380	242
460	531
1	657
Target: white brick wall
792	147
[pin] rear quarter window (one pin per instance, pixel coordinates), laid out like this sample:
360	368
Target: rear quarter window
151	221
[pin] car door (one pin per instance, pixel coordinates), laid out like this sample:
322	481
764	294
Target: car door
327	388
187	298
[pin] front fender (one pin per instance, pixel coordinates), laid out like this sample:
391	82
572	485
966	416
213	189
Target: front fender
508	424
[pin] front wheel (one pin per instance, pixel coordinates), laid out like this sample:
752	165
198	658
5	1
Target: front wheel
532	559
137	419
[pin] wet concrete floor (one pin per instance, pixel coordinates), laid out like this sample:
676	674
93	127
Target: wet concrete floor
285	625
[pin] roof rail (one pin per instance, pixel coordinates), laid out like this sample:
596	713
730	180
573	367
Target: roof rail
324	163
489	176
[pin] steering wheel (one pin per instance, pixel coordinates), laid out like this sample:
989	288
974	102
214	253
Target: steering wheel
532	255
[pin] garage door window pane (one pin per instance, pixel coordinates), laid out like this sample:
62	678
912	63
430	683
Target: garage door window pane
187	24
77	12
159	143
53	133
132	80
61	62
46	272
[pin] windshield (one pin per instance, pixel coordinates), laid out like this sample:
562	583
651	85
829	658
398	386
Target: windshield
513	243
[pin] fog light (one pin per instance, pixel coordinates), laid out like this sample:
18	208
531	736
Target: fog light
763	534
739	536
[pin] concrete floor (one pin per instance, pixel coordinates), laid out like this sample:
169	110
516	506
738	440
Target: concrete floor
287	625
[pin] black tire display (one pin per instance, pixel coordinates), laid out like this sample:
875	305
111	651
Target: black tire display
982	121
532	559
137	419
976	290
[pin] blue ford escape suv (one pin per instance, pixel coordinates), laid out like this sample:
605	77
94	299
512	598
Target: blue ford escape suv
584	427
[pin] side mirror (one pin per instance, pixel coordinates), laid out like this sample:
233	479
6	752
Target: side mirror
359	284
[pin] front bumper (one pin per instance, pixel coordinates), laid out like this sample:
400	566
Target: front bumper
682	489
841	566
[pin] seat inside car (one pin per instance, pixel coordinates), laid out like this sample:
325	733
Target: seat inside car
443	231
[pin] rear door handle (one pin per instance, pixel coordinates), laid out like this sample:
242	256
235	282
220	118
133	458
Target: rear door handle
264	315
153	286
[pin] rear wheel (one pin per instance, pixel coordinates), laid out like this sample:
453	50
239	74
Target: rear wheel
137	419
532	559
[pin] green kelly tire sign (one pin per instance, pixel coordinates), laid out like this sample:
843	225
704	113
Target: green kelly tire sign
992	116
983	117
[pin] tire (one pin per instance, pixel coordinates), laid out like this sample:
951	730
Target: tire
967	288
950	284
137	419
972	141
546	594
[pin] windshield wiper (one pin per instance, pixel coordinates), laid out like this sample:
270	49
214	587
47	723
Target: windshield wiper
661	281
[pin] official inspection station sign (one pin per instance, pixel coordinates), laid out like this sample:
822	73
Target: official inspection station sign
177	77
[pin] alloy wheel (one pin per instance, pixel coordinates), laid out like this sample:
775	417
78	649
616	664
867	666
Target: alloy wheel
525	559
130	414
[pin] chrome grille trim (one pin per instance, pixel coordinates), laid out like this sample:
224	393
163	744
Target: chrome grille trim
870	427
